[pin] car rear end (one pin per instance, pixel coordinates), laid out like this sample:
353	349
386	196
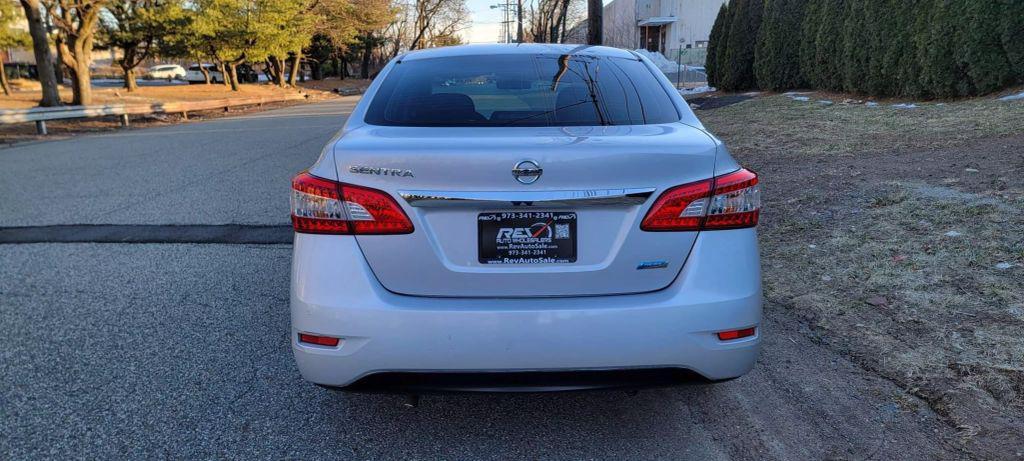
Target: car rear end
524	218
194	74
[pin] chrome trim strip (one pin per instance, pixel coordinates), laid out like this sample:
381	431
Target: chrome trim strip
573	198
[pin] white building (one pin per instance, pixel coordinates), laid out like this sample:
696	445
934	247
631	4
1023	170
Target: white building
678	29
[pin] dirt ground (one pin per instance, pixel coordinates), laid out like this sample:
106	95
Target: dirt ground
28	98
21	132
332	84
897	236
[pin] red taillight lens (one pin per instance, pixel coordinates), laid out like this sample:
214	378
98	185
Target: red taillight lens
321	206
735	334
736	201
318	340
730	201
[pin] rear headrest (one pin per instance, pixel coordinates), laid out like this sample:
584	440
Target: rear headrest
445	108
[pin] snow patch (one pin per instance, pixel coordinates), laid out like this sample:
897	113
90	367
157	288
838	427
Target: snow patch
659	60
800	98
1013	97
697	90
905	106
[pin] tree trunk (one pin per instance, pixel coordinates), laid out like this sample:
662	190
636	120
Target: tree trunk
128	69
206	73
268	71
296	68
129	80
595	19
364	72
41	50
202	69
342	68
233	76
3	79
519	21
81	87
278	66
317	70
223	73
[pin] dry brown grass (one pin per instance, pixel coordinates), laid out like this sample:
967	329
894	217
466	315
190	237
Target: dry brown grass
780	124
149	94
332	83
898	236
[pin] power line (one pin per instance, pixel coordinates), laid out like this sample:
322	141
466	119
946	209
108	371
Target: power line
509	17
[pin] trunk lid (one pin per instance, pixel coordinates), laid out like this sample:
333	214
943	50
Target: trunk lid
449	180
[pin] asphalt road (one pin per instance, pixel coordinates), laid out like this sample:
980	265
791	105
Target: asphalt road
181	350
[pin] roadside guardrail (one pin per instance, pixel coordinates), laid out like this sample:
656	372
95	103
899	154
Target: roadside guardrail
40	115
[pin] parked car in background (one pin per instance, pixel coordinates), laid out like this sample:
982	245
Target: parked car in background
18	70
195	75
530	217
165	72
245	72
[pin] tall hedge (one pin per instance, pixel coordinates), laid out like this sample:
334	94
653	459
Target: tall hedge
737	68
809	41
828	46
982	53
1011	30
777	55
879	34
940	73
854	53
911	48
718	32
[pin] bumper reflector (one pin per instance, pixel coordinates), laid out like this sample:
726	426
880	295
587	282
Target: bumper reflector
735	334
318	340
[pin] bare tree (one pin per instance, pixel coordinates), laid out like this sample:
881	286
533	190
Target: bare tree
519	21
595	21
436	22
41	50
75	21
548	20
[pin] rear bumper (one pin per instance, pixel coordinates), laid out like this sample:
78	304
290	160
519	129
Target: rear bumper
334	293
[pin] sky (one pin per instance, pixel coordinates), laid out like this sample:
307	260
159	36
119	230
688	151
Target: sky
486	22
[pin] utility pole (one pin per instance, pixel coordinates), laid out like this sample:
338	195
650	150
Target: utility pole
508	9
519	21
595	19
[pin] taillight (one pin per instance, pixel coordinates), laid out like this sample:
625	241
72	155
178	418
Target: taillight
730	201
321	206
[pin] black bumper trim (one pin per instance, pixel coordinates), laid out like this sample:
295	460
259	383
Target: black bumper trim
522	381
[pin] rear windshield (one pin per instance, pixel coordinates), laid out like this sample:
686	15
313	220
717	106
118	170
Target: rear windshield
521	90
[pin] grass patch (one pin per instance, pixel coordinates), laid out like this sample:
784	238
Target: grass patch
898	236
779	124
928	291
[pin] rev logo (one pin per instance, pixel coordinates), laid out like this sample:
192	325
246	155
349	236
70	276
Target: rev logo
538	230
